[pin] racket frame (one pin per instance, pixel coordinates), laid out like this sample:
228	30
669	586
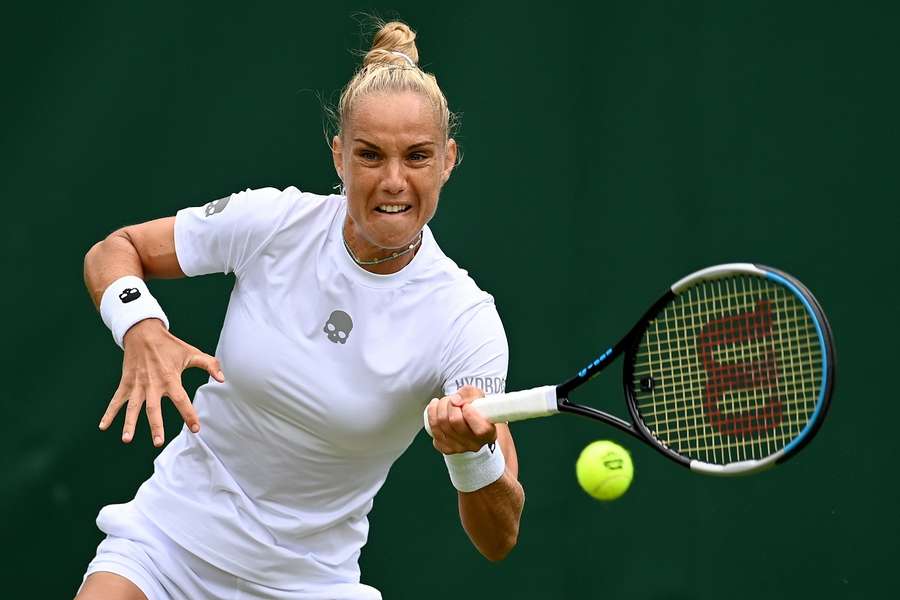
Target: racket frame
549	400
629	344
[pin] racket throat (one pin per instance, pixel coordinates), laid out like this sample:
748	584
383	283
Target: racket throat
565	405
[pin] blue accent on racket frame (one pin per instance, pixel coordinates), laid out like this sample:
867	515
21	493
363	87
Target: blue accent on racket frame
812	314
596	362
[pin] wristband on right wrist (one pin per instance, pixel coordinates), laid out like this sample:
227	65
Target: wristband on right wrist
471	471
127	301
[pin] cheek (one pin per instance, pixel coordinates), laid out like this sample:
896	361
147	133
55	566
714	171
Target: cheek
428	187
359	184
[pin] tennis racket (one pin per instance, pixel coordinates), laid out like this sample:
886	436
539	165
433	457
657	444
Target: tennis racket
729	373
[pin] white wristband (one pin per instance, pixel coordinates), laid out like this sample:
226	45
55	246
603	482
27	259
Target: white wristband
127	301
470	471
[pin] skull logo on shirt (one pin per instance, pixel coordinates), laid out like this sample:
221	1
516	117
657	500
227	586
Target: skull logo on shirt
338	327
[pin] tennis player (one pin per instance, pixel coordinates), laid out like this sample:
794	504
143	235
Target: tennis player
345	320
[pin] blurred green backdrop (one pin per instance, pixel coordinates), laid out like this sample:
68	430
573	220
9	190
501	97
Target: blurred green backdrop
609	150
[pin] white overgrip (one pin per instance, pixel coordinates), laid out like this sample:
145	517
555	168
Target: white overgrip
514	406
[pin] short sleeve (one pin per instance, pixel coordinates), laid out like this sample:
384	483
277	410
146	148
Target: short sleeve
477	352
224	235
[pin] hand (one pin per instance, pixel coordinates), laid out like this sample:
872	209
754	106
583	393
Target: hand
152	367
456	426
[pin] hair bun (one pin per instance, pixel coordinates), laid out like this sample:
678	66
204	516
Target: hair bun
391	66
392	43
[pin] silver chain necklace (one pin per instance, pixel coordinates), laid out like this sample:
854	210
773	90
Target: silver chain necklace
378	261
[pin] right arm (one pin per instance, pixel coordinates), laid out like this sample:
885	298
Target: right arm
154	358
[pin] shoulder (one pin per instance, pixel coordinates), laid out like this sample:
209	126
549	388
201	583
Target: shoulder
308	205
458	304
224	235
250	207
452	287
474	348
291	202
282	212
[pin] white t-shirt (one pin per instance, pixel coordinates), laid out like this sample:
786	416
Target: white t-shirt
328	368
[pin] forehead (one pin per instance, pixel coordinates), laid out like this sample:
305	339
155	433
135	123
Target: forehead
394	117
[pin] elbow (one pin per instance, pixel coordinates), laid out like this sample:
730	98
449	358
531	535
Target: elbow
506	539
96	259
93	251
494	528
90	258
502	543
501	548
100	246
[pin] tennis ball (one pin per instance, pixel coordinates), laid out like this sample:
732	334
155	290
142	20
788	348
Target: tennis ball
604	470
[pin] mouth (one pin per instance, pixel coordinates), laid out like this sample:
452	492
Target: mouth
392	209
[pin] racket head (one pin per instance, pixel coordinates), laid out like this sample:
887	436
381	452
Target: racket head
732	371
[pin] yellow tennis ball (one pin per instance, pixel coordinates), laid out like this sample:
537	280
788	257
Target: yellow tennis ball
604	470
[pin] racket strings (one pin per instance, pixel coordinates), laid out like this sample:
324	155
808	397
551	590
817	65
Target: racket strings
729	371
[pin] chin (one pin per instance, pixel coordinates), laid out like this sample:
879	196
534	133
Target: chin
395	242
393	237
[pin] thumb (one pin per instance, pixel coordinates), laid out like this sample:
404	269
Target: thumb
467	394
208	363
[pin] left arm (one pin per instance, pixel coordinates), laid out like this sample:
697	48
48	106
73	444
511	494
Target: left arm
491	514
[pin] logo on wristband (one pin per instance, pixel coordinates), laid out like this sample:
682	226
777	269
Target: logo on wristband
129	294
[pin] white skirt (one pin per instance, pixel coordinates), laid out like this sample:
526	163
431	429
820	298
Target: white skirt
140	552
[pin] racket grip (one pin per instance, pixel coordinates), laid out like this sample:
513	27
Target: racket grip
514	406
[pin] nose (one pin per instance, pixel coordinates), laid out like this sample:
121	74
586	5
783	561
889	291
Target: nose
393	180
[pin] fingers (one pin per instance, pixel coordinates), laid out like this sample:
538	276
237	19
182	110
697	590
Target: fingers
182	402
469	393
150	372
112	410
135	401
455	417
208	363
456	426
481	427
450	420
154	417
152	402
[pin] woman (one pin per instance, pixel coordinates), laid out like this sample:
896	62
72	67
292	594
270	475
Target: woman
344	319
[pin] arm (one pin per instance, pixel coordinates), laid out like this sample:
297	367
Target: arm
490	515
154	358
146	250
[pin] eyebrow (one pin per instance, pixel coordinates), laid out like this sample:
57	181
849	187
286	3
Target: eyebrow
411	147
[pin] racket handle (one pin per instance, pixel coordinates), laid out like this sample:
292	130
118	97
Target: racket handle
514	406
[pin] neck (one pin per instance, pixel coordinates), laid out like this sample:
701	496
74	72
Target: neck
383	260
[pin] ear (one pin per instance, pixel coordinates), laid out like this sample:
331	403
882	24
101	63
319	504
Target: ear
337	156
449	160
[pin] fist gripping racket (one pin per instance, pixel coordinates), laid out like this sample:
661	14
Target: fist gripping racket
729	373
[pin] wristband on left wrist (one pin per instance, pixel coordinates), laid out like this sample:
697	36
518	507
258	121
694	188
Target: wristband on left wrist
127	301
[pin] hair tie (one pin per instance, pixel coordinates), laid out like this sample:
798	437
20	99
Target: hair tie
408	59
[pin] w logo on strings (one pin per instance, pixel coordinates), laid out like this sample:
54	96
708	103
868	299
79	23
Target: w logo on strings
741	391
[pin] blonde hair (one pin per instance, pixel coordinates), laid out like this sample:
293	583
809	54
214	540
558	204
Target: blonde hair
391	65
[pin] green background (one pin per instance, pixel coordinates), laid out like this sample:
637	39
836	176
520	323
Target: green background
609	151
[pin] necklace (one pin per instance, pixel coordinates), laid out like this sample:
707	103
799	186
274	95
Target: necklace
378	261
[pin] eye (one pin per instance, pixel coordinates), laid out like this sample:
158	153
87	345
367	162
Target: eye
368	155
419	158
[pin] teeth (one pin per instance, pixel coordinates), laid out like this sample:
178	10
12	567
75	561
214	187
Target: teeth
392	208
